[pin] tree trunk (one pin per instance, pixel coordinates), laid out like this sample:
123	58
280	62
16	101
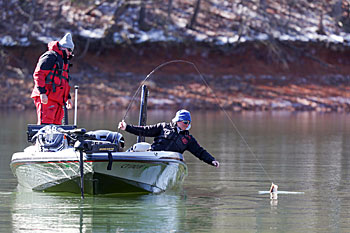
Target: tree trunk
142	17
194	16
262	4
170	8
121	7
338	13
320	29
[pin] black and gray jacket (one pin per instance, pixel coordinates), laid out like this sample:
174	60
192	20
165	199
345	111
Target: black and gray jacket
169	138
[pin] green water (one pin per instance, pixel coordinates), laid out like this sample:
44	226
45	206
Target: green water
305	152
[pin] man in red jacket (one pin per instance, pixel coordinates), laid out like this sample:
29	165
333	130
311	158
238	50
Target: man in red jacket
51	81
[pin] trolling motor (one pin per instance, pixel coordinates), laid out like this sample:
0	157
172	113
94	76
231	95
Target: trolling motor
99	141
79	145
77	136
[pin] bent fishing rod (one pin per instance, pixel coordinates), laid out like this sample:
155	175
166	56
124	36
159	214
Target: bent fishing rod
215	97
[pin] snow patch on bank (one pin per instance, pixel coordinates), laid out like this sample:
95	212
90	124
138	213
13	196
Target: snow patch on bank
302	25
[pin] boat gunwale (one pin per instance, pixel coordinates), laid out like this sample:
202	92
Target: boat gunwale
19	162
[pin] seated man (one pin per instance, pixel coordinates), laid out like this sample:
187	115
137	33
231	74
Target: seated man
172	136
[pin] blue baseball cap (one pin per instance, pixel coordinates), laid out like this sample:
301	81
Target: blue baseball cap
182	115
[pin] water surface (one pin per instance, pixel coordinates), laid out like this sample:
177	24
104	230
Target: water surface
306	152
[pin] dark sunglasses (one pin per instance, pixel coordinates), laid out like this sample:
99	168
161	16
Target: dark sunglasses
70	50
186	122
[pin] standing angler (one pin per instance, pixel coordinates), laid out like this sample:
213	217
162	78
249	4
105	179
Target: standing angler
51	81
173	136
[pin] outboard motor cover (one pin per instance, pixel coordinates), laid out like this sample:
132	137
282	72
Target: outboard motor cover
50	139
108	136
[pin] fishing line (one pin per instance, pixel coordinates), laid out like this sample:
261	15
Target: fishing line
230	119
143	81
215	97
147	77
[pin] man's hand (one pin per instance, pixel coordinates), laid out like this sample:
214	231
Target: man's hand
43	98
69	104
215	163
122	125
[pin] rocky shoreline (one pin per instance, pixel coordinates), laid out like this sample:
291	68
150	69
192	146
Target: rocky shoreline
245	77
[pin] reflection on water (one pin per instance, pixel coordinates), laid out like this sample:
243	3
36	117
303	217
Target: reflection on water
68	213
305	152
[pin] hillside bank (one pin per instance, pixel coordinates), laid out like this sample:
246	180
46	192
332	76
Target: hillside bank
257	76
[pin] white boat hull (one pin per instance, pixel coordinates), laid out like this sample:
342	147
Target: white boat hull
148	171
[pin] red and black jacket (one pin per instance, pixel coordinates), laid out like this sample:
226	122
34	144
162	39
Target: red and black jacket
168	138
51	75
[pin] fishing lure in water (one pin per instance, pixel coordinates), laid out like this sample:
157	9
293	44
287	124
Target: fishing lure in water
274	192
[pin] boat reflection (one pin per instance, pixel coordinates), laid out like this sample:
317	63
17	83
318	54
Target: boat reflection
46	212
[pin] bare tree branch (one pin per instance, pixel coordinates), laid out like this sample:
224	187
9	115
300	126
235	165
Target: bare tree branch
93	7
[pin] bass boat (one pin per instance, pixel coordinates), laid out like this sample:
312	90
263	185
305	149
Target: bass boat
64	158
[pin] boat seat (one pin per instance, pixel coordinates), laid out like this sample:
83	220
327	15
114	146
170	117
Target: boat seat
141	146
